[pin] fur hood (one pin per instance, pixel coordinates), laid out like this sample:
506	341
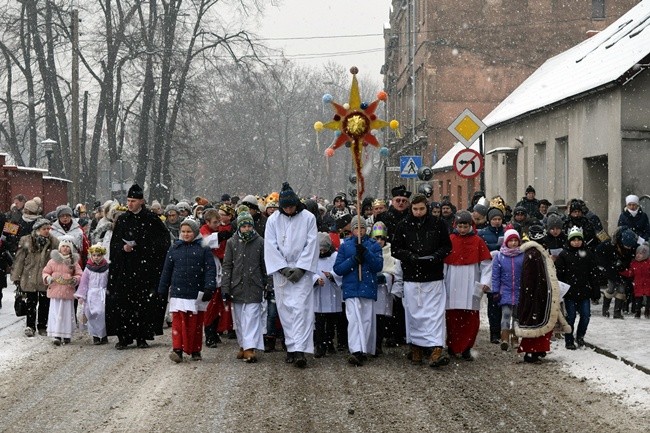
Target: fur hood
546	315
58	257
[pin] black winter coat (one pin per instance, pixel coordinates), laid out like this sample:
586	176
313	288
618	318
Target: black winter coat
578	268
613	258
391	218
417	238
638	223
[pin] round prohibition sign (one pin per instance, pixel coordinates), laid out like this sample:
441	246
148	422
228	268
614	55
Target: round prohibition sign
468	163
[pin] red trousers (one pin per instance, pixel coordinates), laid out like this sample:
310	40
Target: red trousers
462	329
187	331
537	344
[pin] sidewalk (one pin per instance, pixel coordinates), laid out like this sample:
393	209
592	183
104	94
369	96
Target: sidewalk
627	339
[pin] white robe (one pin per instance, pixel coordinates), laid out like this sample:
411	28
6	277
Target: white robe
362	325
293	242
247	320
460	283
328	297
424	311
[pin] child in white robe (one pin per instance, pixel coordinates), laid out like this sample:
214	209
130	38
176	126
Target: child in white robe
92	293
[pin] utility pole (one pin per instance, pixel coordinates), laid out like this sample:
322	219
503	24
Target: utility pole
74	139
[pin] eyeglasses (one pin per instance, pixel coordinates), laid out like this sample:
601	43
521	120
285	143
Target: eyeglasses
400	200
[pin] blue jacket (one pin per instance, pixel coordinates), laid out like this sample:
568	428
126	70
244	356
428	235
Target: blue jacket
491	236
506	278
346	266
189	268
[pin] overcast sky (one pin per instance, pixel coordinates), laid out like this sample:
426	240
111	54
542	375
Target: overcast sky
347	32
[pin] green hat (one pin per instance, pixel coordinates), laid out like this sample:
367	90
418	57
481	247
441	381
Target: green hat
243	219
575	232
379	229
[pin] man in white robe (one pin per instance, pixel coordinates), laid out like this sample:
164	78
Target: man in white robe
291	255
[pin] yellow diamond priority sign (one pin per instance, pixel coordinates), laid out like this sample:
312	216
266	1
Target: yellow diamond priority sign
467	128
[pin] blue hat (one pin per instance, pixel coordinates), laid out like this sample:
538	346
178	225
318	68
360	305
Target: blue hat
628	238
287	196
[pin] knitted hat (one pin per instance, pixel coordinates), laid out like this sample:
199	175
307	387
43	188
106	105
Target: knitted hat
288	197
463	217
629	199
32	207
343	221
251	202
135	192
272	204
192	224
244	218
324	241
225	197
643	250
575	232
576	205
156	205
183	206
170	208
553	221
40	223
63	210
519	209
530	188
628	238
480	209
536	232
494	212
379	229
97	249
358	223
509	234
67	240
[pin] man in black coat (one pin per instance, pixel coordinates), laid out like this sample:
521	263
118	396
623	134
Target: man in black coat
138	247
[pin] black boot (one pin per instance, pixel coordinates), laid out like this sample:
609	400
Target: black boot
606	303
618	308
269	343
291	358
319	351
301	361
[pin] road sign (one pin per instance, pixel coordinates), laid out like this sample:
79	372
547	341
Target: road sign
467	128
409	165
468	163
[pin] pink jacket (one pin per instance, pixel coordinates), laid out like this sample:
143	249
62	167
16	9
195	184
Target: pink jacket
64	279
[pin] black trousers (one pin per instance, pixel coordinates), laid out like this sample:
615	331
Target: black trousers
38	307
324	328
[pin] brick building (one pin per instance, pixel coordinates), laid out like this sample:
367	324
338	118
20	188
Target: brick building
445	56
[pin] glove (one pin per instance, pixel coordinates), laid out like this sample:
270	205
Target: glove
48	280
227	297
381	279
268	295
286	272
360	252
295	275
224	236
207	295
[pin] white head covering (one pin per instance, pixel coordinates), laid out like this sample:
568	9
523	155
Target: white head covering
632	199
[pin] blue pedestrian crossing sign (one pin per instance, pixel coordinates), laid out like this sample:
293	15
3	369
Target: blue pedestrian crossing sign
409	166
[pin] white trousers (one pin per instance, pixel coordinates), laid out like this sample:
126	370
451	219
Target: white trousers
247	319
295	304
424	311
362	325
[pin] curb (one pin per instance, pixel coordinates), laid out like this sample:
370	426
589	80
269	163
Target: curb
609	354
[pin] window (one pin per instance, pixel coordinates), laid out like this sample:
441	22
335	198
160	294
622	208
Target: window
598	9
561	170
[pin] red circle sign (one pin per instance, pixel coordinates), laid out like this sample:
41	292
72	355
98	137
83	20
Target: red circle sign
468	163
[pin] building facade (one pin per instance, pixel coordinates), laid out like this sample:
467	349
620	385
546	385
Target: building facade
445	56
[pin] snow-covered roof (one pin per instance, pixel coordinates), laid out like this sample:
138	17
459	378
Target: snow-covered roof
595	62
60	179
447	161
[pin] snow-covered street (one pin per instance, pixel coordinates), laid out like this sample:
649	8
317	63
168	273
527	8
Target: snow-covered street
81	387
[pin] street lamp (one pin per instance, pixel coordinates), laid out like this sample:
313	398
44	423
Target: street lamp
48	146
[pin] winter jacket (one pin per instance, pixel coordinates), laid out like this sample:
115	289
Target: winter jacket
31	258
491	236
347	266
578	268
421	244
75	232
550	242
613	258
531	206
244	271
638	223
391	218
65	276
588	231
640	274
189	269
506	277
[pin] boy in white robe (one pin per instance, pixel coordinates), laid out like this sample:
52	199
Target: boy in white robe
291	256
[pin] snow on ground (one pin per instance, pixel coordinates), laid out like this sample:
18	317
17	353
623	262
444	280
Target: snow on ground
627	339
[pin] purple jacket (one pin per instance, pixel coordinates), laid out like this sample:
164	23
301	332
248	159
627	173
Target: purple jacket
506	277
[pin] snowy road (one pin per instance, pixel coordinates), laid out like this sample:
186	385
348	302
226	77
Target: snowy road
81	387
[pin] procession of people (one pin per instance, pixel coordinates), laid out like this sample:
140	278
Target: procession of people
325	277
